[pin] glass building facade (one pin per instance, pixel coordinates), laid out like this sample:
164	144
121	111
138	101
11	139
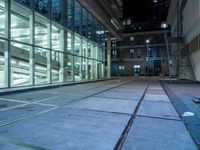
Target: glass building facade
48	41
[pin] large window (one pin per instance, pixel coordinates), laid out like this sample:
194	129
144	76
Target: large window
69	68
2	18
77	17
42	30
42	6
69	42
2	63
20	23
69	13
56	10
56	37
84	22
41	64
20	66
42	50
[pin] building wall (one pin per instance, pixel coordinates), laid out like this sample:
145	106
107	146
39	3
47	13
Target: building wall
45	42
191	31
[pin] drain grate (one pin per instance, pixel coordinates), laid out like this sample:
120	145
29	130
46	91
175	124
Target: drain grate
196	100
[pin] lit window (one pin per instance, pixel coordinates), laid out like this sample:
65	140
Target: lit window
128	21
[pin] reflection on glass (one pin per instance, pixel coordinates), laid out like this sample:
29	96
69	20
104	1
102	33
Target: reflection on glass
69	13
20	67
40	66
41	6
89	28
56	10
84	22
77	17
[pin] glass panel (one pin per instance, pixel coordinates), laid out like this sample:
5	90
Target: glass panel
20	30
69	68
41	31
2	18
56	10
41	6
77	68
2	64
84	59
56	66
40	65
84	22
69	13
89	69
20	67
69	42
55	37
20	23
90	26
2	3
77	17
89	50
77	45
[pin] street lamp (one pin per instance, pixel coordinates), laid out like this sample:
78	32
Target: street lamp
147	57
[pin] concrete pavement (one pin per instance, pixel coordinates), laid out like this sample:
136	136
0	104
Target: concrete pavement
127	113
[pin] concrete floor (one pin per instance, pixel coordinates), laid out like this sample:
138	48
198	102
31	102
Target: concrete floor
127	113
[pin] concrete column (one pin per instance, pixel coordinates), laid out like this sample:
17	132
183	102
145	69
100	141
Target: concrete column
7	66
108	57
86	63
95	62
72	47
81	59
31	54
62	56
49	65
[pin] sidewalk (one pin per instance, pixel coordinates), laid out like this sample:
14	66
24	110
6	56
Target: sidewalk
126	113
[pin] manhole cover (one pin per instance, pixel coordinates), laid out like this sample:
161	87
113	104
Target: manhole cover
196	100
3	105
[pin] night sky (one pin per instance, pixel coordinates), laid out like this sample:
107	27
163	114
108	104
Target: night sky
137	9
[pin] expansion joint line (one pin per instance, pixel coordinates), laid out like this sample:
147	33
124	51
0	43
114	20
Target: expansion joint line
125	132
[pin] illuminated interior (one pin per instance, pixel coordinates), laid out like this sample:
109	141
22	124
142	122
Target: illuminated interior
41	50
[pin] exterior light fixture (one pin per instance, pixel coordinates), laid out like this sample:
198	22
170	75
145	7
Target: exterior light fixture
147	41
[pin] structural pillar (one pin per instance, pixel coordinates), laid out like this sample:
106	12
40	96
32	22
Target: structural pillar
108	57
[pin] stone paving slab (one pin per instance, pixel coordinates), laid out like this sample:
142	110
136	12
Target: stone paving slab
158	109
66	128
127	90
29	96
63	99
120	95
156	97
158	134
156	91
4	104
5	146
106	104
20	112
